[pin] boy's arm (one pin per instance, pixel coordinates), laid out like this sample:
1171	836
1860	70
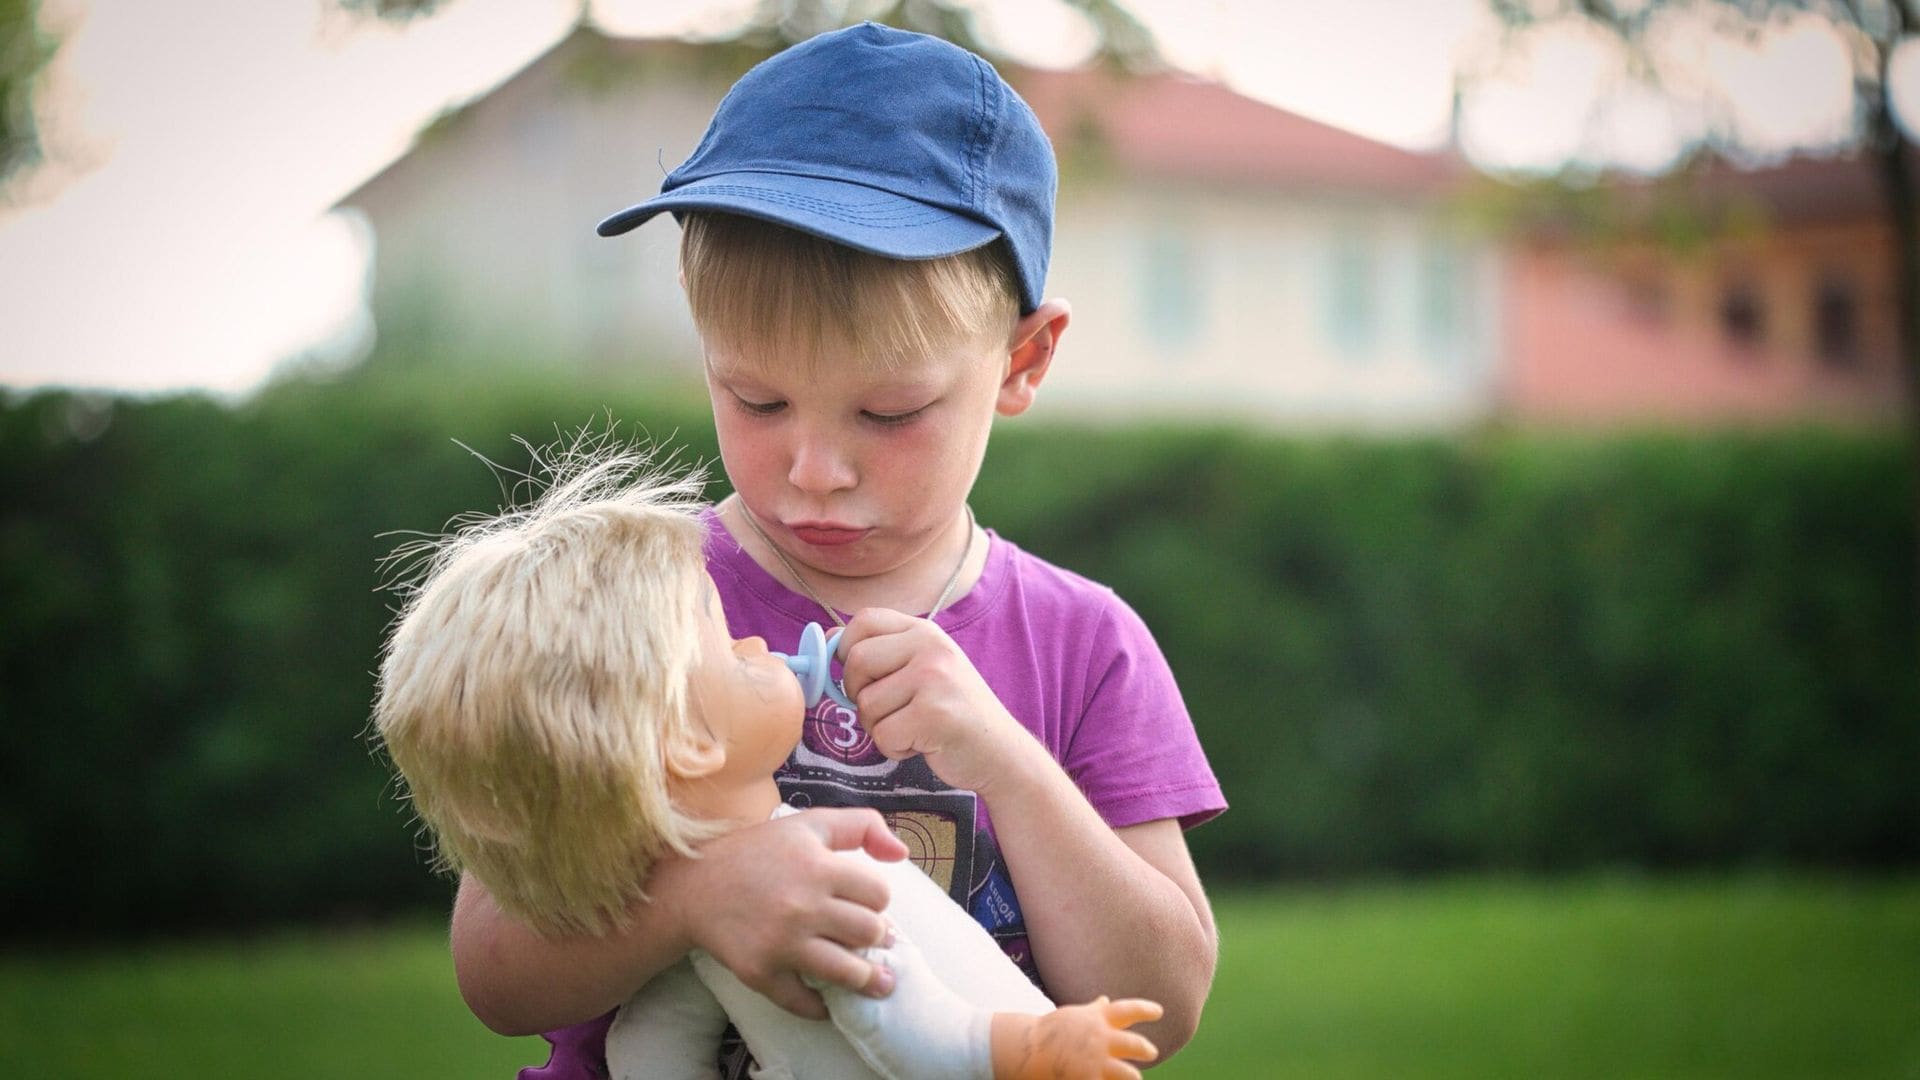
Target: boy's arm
770	929
1108	912
1116	912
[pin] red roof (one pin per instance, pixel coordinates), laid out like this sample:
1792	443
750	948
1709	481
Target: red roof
1168	124
1157	125
1806	188
1181	126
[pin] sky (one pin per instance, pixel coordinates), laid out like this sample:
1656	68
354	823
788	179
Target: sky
181	237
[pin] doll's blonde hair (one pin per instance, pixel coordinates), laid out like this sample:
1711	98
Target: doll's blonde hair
536	676
752	285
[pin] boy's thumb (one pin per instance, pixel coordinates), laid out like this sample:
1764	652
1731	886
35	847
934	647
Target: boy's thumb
846	828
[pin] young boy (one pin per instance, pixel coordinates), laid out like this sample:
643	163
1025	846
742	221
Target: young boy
867	228
564	701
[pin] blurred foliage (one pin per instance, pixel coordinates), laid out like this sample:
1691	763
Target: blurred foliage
394	10
25	49
1682	209
1124	42
1688	211
1522	652
1870	30
1525	652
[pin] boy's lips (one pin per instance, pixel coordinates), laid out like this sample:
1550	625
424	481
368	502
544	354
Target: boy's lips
826	533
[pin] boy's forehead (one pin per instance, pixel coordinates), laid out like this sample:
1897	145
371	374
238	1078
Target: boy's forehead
844	369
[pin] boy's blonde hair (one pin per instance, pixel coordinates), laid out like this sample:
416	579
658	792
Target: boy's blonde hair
751	283
535	678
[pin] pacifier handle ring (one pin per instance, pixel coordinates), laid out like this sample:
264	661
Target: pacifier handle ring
812	661
833	687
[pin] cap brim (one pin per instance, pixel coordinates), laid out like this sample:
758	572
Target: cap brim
858	216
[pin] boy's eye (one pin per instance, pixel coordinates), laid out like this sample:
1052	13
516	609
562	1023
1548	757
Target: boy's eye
760	408
892	419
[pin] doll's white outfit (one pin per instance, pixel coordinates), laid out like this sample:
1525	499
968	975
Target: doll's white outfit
950	978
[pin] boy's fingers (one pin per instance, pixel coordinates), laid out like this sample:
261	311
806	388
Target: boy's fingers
873	658
862	886
788	992
847	828
824	964
880	699
880	982
853	924
880	620
1119	1070
870	623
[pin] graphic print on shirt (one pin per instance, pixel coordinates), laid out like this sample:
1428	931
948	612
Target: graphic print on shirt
836	764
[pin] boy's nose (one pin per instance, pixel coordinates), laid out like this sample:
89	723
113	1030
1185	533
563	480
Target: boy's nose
818	468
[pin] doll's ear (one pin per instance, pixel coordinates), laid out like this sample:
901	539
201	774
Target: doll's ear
695	754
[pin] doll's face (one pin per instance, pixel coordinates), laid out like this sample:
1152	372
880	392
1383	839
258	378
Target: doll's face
744	694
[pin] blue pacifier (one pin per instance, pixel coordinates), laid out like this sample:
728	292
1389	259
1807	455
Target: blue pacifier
810	662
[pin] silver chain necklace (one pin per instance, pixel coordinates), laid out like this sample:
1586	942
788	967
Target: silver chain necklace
938	605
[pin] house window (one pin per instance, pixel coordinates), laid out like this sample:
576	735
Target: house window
1352	296
1742	317
1836	322
1170	289
1443	297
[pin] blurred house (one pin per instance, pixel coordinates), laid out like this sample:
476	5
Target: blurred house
1221	255
1720	295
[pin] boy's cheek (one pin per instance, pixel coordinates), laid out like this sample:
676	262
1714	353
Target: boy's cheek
743	456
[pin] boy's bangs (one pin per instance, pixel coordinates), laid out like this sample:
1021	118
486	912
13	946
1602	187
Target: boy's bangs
768	294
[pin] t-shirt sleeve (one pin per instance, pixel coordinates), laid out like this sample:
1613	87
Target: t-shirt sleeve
1134	752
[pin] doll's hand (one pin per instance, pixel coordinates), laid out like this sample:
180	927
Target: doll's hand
773	903
1083	1042
917	693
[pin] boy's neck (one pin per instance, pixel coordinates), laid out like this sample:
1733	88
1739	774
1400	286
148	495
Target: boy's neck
912	588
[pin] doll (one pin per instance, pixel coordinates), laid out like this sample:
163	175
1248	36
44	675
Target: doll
565	705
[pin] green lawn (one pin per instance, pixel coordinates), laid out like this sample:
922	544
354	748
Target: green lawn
1748	978
1607	979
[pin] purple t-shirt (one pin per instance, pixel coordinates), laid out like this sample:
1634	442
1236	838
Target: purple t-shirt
1066	657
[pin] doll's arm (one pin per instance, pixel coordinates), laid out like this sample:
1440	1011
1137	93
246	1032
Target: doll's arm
1074	1041
925	1030
670	1030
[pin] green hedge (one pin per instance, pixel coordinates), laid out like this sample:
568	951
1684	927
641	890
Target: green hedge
1517	652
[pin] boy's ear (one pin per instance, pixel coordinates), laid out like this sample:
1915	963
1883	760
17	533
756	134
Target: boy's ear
1036	337
695	754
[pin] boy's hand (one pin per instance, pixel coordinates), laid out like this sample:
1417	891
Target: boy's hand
917	693
773	903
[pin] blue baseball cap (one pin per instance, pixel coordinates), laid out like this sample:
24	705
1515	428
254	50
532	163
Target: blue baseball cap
887	141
